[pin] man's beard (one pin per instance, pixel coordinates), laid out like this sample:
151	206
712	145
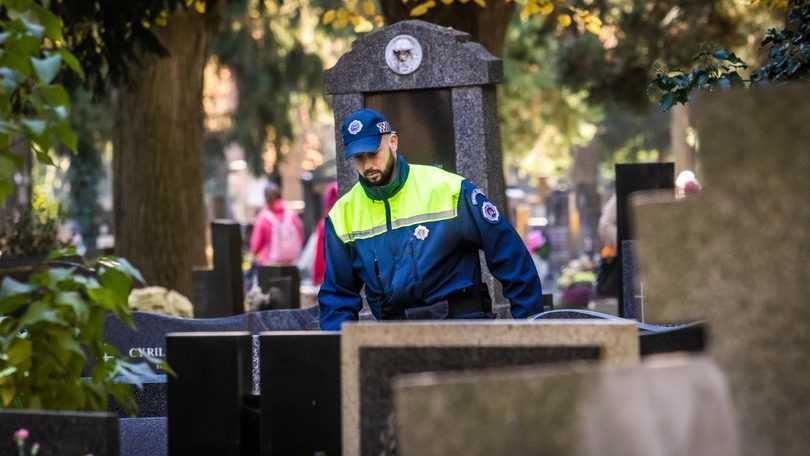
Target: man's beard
386	174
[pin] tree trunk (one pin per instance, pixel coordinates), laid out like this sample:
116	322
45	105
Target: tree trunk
157	166
486	25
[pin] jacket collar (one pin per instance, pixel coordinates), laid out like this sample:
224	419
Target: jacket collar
387	191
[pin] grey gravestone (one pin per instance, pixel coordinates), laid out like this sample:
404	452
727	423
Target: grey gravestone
738	254
61	433
631	178
372	354
669	406
207	397
445	109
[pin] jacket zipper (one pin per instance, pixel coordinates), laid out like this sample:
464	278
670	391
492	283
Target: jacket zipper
387	215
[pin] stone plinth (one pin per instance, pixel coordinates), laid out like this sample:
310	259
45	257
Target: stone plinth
738	255
372	354
668	406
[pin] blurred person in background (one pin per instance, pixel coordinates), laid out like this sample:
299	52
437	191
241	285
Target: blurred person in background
278	234
319	262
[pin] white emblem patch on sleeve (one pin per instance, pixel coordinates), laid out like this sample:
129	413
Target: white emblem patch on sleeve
474	195
421	232
490	212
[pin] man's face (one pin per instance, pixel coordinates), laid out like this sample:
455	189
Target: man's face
377	167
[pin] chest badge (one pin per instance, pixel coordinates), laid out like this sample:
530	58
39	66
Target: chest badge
421	232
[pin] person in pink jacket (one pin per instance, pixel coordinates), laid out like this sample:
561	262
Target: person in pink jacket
278	234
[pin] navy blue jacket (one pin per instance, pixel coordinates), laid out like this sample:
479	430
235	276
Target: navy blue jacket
419	260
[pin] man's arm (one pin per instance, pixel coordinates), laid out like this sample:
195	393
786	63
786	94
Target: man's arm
339	297
506	255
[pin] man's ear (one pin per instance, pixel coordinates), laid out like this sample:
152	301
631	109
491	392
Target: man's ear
393	142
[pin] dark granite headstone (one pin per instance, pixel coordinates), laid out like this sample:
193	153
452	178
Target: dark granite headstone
61	433
226	239
445	110
300	398
206	398
143	436
269	276
426	120
150	337
633	299
630	178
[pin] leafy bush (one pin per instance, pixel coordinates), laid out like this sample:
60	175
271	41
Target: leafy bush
718	68
789	57
51	328
33	233
33	106
788	60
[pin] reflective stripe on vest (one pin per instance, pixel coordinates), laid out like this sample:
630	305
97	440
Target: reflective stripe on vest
430	194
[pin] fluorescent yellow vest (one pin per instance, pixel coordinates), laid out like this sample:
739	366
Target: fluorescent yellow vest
429	194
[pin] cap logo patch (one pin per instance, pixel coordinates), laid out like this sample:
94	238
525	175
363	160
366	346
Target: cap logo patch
355	127
490	212
384	127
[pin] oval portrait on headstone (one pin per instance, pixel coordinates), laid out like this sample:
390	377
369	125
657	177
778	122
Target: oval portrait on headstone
403	54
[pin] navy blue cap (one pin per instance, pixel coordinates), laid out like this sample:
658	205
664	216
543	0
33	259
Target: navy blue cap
362	131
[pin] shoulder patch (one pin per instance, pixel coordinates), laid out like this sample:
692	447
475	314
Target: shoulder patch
490	212
474	194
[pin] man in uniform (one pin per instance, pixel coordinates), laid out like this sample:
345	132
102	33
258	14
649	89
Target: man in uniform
411	234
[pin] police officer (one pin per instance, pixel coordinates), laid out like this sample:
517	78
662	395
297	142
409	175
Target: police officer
411	234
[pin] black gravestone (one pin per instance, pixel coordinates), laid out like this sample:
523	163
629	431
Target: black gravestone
300	395
424	120
376	363
61	433
632	178
226	238
206	399
268	276
143	436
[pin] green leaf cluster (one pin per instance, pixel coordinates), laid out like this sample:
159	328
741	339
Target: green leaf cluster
789	56
719	68
33	105
788	60
51	330
34	232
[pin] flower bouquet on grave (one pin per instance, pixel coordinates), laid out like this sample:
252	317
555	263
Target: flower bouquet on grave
577	282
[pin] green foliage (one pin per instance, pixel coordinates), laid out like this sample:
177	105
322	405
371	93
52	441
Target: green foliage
718	68
271	64
539	117
51	327
788	60
33	107
92	120
34	233
109	35
789	56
